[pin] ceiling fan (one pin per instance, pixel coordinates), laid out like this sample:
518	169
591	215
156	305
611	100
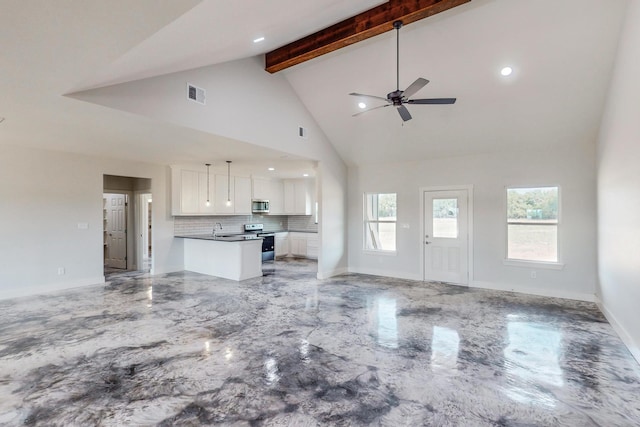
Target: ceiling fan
398	97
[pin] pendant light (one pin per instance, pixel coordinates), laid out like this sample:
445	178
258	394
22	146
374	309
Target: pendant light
208	202
228	183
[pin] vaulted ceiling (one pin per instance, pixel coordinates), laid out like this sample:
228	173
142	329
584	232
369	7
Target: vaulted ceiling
561	54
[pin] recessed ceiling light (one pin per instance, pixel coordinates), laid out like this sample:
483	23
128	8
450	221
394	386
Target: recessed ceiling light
258	40
506	71
362	105
305	174
271	169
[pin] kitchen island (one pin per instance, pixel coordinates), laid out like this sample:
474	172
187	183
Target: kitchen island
229	257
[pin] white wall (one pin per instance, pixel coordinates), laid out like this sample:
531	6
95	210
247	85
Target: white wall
45	195
573	169
247	104
332	218
619	190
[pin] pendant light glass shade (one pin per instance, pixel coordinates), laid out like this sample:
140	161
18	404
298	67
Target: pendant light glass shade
228	183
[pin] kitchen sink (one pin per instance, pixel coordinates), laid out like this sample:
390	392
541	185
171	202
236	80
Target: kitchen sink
234	237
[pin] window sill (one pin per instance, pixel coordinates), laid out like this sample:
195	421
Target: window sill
385	253
531	264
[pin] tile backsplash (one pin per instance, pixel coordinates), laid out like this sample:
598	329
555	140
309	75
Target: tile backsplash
187	225
302	223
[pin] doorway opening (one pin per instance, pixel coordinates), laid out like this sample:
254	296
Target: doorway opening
127	228
447	234
144	218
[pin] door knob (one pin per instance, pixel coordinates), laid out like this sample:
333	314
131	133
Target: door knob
426	242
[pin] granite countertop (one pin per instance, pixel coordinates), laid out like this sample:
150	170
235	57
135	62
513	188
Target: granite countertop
239	237
287	231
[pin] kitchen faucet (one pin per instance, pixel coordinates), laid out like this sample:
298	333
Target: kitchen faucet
216	227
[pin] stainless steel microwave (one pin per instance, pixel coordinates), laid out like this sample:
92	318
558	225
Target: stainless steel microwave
259	206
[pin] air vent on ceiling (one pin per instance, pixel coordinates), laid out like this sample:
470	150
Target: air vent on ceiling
302	132
196	94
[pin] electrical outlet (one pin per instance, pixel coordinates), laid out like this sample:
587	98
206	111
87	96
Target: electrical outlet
60	271
534	274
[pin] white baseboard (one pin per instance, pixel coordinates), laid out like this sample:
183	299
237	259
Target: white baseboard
166	269
634	347
553	293
331	273
384	273
26	291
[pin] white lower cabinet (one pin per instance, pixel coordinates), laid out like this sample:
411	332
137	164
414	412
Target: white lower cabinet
303	244
312	246
282	244
298	245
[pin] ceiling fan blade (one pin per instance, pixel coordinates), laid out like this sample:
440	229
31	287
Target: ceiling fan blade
404	113
415	86
432	101
369	96
370	109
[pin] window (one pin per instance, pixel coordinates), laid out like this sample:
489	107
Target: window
532	224
380	222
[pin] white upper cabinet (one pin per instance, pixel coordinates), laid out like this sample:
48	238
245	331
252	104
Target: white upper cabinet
289	197
298	196
224	190
260	189
271	190
238	191
242	195
189	191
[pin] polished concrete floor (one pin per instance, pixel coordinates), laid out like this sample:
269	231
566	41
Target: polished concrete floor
289	350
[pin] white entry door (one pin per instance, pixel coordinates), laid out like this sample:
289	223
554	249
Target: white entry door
116	228
446	237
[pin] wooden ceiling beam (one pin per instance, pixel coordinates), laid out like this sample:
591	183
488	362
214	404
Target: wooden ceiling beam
352	30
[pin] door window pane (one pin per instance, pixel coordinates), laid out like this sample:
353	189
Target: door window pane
445	218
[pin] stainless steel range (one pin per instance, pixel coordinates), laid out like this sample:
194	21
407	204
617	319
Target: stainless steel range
268	240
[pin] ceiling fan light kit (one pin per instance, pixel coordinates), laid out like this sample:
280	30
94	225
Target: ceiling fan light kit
398	97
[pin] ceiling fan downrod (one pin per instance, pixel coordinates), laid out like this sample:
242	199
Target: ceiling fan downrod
397	25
